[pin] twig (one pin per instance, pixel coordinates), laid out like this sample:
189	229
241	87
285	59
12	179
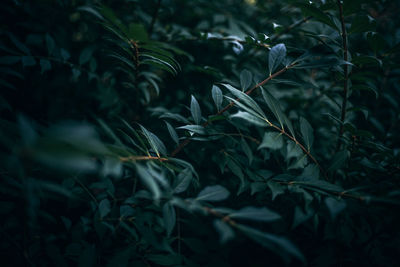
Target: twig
137	158
346	75
291	27
154	17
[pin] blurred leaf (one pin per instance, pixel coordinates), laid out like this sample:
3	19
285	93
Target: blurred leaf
104	207
307	133
335	206
256	214
213	193
172	133
272	140
169	217
183	181
225	231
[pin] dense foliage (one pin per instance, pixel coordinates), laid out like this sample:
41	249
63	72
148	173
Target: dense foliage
200	133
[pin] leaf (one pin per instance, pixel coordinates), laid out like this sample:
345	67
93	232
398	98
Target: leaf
195	110
276	109
28	61
149	181
362	24
213	193
250	118
247	100
198	129
307	133
316	13
338	160
225	231
276	56
104	207
247	150
85	55
217	96
169	217
155	143
272	140
172	133
279	245
184	178
45	65
276	189
246	79
335	206
50	43
256	214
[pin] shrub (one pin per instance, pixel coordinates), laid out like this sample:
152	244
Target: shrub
200	133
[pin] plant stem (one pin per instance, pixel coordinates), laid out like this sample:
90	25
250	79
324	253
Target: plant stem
346	75
291	27
136	158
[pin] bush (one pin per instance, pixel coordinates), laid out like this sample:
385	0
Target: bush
200	133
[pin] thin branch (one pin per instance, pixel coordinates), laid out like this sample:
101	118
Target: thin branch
346	75
154	17
139	158
291	27
282	131
230	105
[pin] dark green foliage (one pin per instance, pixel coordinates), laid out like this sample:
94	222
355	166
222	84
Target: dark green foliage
200	133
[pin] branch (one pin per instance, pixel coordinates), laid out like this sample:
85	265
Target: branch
136	158
291	27
230	105
346	75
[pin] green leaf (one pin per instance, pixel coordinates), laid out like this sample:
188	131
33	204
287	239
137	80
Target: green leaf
246	79
307	133
28	61
225	231
155	143
335	206
276	189
50	43
213	193
195	110
256	214
149	181
250	118
198	129
183	181
104	207
272	140
279	245
217	96
45	65
172	133
169	217
318	14
85	55
276	56
137	32
247	100
362	23
338	160
247	150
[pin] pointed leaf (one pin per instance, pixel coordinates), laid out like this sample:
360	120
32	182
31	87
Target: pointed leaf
213	193
169	217
245	79
272	140
256	214
225	231
307	132
276	56
149	181
250	118
247	100
195	110
104	207
155	143
172	133
217	96
184	178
